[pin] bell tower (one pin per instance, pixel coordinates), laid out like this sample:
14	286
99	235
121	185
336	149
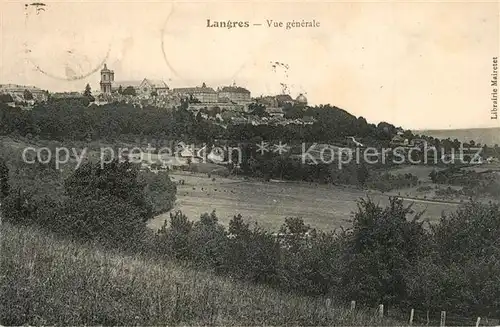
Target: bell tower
107	79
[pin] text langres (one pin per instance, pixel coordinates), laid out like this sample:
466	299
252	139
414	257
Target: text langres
227	24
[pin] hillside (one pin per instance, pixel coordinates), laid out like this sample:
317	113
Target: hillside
488	136
46	281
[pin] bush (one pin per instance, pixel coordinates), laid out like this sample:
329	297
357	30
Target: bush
160	190
382	246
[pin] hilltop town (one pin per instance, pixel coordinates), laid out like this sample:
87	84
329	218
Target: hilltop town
230	104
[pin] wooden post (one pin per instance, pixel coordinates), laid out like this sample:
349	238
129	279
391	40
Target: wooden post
411	316
328	303
353	305
428	320
478	321
381	310
443	319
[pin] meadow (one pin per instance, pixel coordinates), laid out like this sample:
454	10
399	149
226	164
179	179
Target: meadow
324	207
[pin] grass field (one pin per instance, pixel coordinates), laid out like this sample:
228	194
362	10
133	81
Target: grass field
47	281
324	207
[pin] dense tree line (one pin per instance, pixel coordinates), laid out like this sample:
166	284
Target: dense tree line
77	120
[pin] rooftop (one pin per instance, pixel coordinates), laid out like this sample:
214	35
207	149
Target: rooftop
156	83
124	84
14	87
234	89
198	89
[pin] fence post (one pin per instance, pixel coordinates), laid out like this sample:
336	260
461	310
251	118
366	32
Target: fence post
478	321
353	305
381	311
411	316
443	319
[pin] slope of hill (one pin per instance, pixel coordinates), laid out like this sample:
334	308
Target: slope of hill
45	280
489	136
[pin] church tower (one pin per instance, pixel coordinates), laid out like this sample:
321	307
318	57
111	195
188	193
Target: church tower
107	79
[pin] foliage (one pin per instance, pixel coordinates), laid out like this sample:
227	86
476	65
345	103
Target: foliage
27	95
88	93
4	179
6	98
383	245
129	90
258	110
116	179
160	190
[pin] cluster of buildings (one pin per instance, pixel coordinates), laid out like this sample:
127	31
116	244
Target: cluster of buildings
22	94
234	98
153	92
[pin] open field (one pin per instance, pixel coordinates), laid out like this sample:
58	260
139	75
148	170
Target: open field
324	207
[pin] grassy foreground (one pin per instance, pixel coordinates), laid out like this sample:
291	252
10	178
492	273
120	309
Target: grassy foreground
45	280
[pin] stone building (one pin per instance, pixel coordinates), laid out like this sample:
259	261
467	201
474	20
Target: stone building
235	94
145	87
17	92
301	99
107	79
203	94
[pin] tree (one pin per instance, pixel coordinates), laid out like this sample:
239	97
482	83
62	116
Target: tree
106	203
294	112
208	241
88	93
258	109
129	90
199	118
382	246
4	179
120	90
160	190
173	238
363	173
6	98
27	95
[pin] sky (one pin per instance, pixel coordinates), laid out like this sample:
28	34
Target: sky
419	65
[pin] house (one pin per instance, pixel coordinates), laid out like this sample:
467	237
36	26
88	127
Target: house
235	94
284	99
418	142
308	120
492	160
268	101
238	120
203	94
398	140
275	111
